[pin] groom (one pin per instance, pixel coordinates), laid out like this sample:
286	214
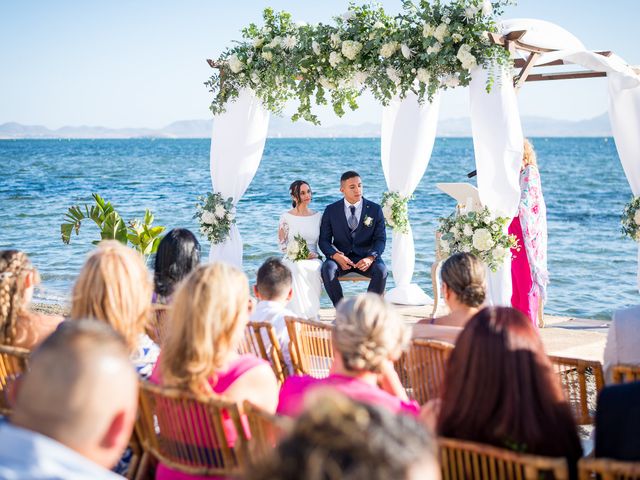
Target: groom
352	237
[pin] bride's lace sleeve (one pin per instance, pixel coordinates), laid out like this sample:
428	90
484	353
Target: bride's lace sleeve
283	234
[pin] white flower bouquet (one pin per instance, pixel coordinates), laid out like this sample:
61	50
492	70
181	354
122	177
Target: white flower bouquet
395	209
297	249
479	233
215	216
631	219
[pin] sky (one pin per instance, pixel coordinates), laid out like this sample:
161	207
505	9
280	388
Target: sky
120	63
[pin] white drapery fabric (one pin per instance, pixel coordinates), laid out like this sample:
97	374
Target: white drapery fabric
237	142
407	135
498	144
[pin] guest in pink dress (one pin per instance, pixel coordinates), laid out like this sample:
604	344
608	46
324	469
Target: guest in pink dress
529	265
210	311
367	337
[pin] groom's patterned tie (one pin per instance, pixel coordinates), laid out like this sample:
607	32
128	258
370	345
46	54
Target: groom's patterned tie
353	221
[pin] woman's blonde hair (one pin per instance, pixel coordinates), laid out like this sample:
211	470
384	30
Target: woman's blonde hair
464	274
367	332
208	316
114	287
528	155
14	268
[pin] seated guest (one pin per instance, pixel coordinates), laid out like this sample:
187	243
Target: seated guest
75	407
500	389
114	287
19	326
210	311
464	290
623	340
337	438
178	253
368	336
273	291
618	423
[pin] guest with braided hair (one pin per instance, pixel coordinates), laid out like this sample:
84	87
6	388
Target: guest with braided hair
368	336
19	326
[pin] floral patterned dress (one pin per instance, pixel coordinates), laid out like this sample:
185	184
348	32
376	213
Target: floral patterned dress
529	266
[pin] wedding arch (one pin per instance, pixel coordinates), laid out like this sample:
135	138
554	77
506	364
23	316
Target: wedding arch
405	61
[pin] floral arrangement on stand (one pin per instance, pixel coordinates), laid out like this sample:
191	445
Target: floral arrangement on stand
215	215
395	208
631	219
297	249
479	233
429	46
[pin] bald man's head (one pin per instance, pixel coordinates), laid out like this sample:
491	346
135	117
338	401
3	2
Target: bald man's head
81	390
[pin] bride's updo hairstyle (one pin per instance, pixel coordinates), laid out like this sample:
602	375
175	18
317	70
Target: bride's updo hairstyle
367	332
294	190
464	274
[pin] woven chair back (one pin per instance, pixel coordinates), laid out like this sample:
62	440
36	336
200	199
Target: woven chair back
581	381
606	469
260	340
157	327
311	347
266	430
193	435
625	373
13	361
474	461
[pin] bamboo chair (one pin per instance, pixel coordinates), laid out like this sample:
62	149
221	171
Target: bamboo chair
625	373
311	347
266	430
157	327
474	461
13	361
260	340
421	368
189	433
582	381
606	469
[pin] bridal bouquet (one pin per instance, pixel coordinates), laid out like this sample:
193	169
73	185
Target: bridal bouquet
631	219
215	215
479	233
297	249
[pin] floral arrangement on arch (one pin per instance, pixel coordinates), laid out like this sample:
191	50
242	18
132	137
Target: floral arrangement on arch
427	47
395	208
215	215
631	219
479	233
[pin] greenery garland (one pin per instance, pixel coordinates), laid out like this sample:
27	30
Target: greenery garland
631	219
395	208
426	48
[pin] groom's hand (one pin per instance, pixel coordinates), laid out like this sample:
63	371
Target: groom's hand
364	264
343	261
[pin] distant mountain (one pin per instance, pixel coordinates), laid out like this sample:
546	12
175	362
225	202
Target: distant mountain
284	128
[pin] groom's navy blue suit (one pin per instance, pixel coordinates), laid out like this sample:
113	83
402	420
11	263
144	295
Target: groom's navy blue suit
367	240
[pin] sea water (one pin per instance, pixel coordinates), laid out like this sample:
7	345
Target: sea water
592	267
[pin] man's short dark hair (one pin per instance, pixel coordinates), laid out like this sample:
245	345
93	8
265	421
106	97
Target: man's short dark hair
273	279
347	175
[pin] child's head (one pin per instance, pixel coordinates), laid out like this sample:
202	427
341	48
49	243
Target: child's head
273	281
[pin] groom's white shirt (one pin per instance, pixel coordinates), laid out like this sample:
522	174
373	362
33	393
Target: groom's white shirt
347	210
274	313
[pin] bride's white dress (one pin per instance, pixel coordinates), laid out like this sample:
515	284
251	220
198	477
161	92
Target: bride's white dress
307	283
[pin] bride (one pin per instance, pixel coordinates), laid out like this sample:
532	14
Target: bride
300	220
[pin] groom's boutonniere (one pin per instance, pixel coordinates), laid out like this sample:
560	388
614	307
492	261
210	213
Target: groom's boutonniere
368	221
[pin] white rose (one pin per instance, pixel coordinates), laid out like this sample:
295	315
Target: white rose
451	81
267	55
393	75
334	59
482	240
220	211
495	227
315	46
359	78
258	42
428	30
235	64
487	8
335	40
347	16
350	49
406	51
465	248
441	32
275	42
378	25
388	49
446	20
207	217
470	12
255	78
203	230
636	217
467	60
435	48
500	253
289	42
456	37
467	230
293	249
423	75
387	211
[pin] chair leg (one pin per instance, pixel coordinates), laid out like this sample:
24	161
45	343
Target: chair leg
133	466
541	314
436	287
143	468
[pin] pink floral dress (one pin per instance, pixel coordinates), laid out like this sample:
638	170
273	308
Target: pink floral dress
529	266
